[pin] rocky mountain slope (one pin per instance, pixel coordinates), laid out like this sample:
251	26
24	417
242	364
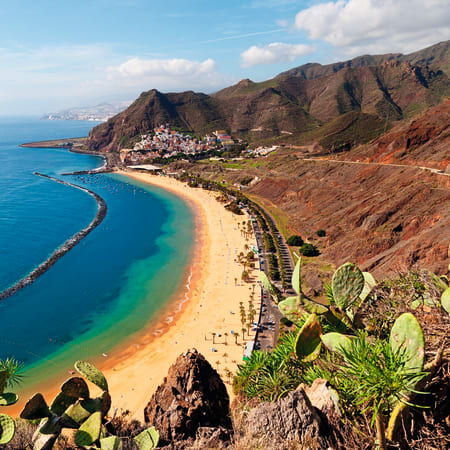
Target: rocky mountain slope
379	89
423	141
385	205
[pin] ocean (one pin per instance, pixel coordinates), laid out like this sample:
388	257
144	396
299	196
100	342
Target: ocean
108	287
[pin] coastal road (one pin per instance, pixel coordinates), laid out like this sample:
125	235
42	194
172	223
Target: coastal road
269	317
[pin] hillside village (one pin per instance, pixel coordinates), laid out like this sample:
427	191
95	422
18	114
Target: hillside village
165	142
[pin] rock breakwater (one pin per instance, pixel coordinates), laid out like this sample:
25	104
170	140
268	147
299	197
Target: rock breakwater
65	247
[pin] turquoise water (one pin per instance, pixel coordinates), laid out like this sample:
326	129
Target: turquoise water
112	283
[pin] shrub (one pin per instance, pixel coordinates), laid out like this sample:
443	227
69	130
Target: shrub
309	250
321	233
234	208
295	241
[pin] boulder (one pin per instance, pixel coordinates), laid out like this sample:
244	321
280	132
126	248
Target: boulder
191	398
322	397
291	422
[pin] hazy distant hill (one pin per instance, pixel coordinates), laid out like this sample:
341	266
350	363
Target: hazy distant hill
101	112
367	92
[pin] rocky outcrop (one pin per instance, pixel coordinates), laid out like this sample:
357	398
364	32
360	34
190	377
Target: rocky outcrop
291	422
190	409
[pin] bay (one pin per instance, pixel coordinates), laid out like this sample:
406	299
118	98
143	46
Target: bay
113	283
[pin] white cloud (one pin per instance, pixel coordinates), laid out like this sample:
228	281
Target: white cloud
137	67
275	52
44	79
165	74
377	26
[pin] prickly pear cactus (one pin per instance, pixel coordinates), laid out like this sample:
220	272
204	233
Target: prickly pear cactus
75	387
311	306
35	408
3	380
7	429
76	414
347	284
270	288
61	403
89	431
111	443
8	398
335	342
307	345
291	309
369	284
445	300
296	277
148	439
407	334
92	374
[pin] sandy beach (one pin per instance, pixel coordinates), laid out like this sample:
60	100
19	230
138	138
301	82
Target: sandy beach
210	304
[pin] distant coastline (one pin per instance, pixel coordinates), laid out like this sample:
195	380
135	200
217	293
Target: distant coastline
65	247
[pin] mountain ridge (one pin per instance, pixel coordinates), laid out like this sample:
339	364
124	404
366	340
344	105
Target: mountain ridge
387	87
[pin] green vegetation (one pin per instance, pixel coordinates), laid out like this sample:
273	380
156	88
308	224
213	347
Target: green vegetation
73	408
377	373
295	241
10	375
234	208
308	249
321	233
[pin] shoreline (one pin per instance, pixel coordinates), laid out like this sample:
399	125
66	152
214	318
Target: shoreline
206	302
210	305
65	247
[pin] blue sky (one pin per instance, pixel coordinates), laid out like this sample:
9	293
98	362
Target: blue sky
56	54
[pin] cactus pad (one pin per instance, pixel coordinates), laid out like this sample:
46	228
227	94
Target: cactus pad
347	284
50	425
92	374
336	341
311	306
111	443
61	403
445	300
75	387
307	344
7	429
268	286
89	431
35	408
148	439
8	398
3	380
369	284
291	309
75	414
407	334
296	277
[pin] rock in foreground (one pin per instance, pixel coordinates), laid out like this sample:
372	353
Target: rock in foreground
191	405
291	422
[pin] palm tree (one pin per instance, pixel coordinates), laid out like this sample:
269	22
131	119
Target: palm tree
236	335
217	364
243	333
225	335
213	336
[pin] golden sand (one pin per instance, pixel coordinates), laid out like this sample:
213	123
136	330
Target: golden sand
136	370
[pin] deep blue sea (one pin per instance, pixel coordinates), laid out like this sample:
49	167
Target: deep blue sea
112	283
